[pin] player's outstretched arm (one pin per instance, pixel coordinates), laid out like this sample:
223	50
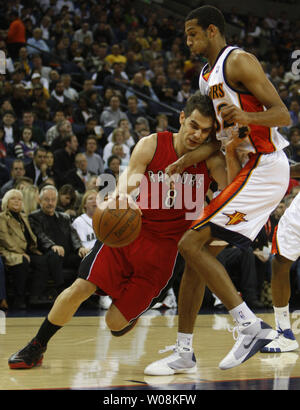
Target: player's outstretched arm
193	157
243	70
141	156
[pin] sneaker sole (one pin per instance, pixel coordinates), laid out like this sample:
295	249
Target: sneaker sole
23	365
293	346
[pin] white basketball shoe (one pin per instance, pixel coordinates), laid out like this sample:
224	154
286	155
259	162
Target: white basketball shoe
250	336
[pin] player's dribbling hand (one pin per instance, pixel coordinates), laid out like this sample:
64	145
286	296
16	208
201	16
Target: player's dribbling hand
233	114
125	201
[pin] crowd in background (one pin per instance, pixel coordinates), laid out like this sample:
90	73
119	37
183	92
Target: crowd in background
84	81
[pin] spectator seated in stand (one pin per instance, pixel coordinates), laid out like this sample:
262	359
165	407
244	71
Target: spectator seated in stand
67	200
11	132
26	148
37	168
53	131
118	137
111	115
58	100
133	110
64	158
79	176
18	247
95	164
128	134
57	239
28	120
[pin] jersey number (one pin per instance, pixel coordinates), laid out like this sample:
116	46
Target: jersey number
170	198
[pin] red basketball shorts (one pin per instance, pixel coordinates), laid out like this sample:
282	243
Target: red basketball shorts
133	275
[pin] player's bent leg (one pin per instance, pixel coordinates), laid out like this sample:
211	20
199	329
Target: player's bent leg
252	333
190	298
281	292
62	311
191	293
67	303
117	323
280	281
183	359
194	247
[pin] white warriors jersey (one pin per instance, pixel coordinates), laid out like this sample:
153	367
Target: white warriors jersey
213	83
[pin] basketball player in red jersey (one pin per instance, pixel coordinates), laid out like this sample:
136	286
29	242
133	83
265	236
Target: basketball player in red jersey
134	275
242	97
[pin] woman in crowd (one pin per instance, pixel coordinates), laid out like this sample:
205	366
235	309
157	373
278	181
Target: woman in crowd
67	200
18	247
25	148
118	137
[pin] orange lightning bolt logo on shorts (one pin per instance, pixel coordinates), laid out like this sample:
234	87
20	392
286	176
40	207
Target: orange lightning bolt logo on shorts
236	218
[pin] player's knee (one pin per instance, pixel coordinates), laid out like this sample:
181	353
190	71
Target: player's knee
282	260
281	266
115	321
190	241
79	291
112	322
183	244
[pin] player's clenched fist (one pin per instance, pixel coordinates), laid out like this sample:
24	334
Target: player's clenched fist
232	114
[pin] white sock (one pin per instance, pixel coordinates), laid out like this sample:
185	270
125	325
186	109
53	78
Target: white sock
242	313
185	339
282	317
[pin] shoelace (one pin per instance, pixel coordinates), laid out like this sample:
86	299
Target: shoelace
175	348
168	349
234	330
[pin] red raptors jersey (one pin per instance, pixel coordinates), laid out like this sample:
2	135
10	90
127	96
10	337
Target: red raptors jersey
169	209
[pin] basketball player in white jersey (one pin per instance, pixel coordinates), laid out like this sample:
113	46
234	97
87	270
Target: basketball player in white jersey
286	248
242	97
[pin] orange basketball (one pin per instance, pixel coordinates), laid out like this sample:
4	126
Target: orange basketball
116	227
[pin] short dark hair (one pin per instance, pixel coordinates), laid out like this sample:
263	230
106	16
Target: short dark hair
39	149
91	137
199	102
207	15
9	112
111	158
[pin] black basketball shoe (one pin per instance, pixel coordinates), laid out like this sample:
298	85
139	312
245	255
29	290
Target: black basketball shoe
28	357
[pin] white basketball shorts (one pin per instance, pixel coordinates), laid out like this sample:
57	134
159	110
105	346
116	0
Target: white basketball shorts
286	238
240	211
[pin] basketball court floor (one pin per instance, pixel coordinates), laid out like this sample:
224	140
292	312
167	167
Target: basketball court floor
85	356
